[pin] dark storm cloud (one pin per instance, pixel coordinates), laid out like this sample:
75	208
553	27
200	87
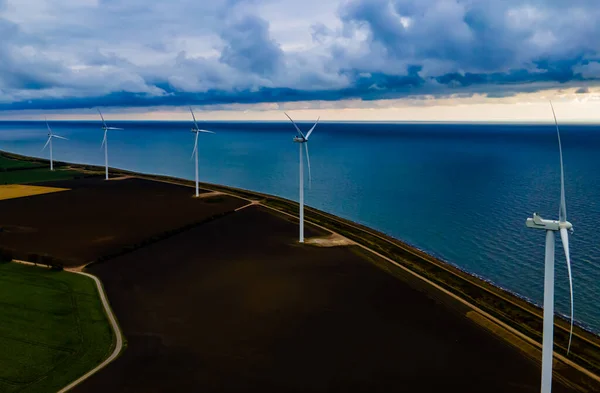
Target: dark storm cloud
249	47
77	54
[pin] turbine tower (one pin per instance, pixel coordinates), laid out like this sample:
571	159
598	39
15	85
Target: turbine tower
105	142
551	226
301	139
196	130
49	142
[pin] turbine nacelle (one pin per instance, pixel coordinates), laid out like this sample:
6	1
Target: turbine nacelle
299	139
537	222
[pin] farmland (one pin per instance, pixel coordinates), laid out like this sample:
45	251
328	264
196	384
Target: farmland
15	170
52	328
9	164
214	295
11	191
270	315
97	218
35	176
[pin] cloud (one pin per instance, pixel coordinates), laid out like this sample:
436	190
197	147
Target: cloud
83	53
249	48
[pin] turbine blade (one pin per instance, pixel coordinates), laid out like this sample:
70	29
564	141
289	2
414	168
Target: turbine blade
102	117
210	132
113	128
59	137
194	117
308	163
103	140
297	129
313	127
562	213
48	125
48	141
564	236
195	146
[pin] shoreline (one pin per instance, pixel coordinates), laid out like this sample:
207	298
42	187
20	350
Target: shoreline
247	194
511	310
94	169
187	182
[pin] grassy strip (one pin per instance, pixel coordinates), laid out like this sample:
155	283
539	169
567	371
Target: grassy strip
15	169
10	164
8	254
53	328
36	176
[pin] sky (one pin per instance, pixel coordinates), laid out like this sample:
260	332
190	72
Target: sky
388	60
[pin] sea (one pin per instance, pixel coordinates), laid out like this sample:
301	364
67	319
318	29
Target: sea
460	192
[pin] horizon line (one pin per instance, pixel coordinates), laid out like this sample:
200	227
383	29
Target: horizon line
541	122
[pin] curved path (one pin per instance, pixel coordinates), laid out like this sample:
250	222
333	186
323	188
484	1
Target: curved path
115	328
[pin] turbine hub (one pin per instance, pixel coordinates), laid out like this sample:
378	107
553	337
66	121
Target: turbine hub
566	225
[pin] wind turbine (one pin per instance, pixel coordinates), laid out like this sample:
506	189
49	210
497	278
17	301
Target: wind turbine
105	142
301	139
196	130
551	226
49	142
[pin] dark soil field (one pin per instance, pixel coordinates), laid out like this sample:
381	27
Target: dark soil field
237	305
97	218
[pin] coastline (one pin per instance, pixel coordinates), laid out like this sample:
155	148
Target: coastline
504	282
517	313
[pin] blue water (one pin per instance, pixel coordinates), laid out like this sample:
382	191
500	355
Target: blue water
460	192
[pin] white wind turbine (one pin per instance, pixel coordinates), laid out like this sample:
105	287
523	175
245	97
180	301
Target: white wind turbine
49	142
551	226
196	130
301	139
105	142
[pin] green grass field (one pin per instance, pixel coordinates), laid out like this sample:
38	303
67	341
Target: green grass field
8	163
53	328
35	176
